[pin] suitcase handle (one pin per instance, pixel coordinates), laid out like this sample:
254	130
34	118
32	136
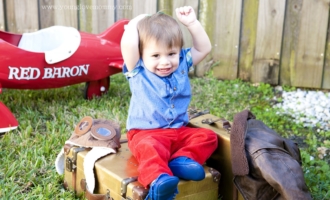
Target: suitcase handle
123	141
91	196
225	123
194	113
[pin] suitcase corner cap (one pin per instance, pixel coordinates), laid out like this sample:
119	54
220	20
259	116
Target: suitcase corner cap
125	182
215	174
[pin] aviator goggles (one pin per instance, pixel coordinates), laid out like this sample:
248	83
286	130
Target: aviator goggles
99	131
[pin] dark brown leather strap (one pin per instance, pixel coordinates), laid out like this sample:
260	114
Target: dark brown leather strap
225	124
67	148
140	192
74	181
215	174
235	193
91	196
192	113
65	185
123	141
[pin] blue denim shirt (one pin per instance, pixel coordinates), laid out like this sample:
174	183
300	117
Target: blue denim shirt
159	102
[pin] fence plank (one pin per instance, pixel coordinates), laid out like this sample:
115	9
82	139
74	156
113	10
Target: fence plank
165	6
58	12
96	16
248	38
129	9
2	16
268	43
103	16
227	38
326	71
124	9
185	32
144	7
66	13
290	40
207	17
22	16
308	68
46	13
85	16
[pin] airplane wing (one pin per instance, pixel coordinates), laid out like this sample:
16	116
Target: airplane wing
8	121
117	64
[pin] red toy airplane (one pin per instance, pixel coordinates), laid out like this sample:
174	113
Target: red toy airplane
58	56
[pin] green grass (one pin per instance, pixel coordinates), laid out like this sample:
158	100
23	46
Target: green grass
47	118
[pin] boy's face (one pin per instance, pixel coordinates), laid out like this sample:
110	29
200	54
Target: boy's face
160	60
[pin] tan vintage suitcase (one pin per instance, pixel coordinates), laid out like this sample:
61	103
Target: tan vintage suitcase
116	177
221	158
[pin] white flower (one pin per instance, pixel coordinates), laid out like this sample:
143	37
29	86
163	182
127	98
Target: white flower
310	107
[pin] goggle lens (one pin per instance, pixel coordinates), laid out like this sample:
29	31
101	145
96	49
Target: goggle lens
103	131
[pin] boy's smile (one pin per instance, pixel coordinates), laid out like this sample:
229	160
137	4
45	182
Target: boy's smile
159	59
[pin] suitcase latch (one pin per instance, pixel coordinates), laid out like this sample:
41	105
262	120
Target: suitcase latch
69	166
70	163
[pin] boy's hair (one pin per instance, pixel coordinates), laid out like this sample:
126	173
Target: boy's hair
162	28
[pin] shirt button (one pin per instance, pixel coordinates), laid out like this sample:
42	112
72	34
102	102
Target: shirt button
182	72
174	88
172	106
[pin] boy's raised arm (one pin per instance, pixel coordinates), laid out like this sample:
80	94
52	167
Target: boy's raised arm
201	42
130	43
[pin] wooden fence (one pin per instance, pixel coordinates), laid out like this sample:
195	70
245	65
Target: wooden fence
281	42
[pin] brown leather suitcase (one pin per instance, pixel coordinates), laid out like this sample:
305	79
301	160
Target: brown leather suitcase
116	178
221	158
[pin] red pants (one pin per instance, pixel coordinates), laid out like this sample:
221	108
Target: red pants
154	148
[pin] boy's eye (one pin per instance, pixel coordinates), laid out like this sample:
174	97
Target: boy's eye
172	54
155	55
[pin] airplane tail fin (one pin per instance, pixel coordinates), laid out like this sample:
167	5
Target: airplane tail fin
8	121
115	32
